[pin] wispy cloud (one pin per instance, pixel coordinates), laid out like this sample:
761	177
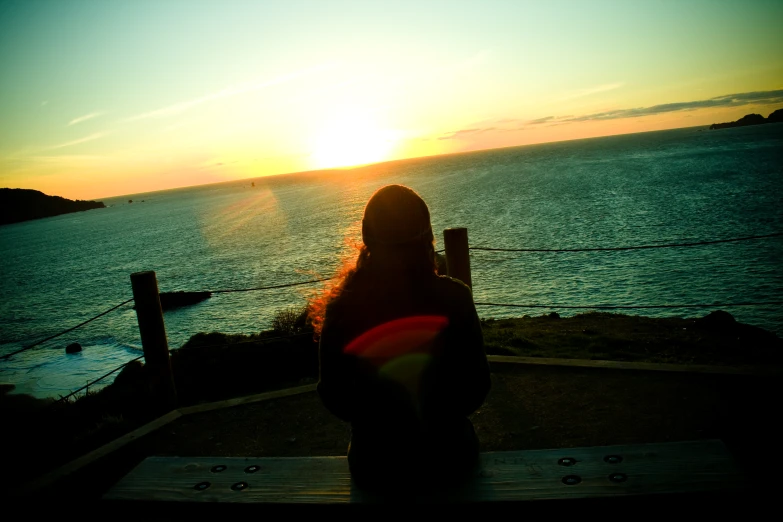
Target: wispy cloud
233	90
728	100
91	137
539	121
593	90
85	118
465	132
69	159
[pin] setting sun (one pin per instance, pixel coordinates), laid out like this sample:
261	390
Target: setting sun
346	252
351	138
334	86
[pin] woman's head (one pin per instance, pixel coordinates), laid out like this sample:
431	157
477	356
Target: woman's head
397	234
398	251
396	216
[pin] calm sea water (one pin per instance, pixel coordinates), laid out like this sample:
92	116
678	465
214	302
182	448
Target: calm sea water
652	188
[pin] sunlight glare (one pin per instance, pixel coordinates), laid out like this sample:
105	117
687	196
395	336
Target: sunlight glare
258	212
351	139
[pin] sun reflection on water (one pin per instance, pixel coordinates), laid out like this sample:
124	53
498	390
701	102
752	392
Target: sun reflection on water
260	210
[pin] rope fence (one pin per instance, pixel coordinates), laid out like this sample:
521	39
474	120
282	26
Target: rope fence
635	247
634	307
123	365
507	305
487	249
61	399
615	249
6	356
287	285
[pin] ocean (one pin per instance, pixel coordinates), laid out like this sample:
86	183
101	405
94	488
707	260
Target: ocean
654	188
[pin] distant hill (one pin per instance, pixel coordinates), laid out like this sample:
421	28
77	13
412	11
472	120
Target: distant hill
24	204
751	119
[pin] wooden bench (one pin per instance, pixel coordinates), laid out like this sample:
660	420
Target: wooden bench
571	473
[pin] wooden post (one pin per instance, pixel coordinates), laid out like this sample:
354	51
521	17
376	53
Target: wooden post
153	337
457	256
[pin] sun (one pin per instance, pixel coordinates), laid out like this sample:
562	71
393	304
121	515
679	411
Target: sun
349	139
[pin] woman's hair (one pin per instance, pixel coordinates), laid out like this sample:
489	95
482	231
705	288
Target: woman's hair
398	248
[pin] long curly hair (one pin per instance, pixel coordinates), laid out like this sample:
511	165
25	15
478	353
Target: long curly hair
398	248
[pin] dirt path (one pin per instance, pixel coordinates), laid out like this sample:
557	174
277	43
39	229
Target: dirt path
529	407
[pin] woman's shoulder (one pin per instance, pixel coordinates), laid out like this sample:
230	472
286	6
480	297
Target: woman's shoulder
451	286
457	298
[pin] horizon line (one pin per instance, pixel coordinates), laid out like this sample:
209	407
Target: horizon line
398	160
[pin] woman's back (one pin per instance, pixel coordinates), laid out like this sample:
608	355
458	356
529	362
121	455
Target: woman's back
402	360
447	331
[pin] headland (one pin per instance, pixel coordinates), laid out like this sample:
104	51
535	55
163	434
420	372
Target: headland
751	119
18	205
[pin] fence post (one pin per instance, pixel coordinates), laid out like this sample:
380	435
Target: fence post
153	337
457	256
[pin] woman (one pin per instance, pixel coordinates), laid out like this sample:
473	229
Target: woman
401	351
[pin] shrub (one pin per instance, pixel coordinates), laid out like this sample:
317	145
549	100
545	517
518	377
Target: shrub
291	320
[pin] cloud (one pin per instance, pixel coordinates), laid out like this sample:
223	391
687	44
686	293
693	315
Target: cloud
70	159
540	120
85	118
233	90
91	137
464	132
728	100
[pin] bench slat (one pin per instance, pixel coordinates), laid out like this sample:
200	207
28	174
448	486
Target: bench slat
694	466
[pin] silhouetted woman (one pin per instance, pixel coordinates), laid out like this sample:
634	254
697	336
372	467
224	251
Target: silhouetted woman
401	352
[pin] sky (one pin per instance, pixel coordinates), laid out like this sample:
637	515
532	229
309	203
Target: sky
112	97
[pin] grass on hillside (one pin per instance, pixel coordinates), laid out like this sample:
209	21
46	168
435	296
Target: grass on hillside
713	339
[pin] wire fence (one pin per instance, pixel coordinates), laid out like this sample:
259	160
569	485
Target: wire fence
95	381
37	343
634	247
508	305
217	345
287	285
635	307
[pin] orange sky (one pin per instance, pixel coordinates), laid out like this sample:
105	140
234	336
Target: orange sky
111	98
